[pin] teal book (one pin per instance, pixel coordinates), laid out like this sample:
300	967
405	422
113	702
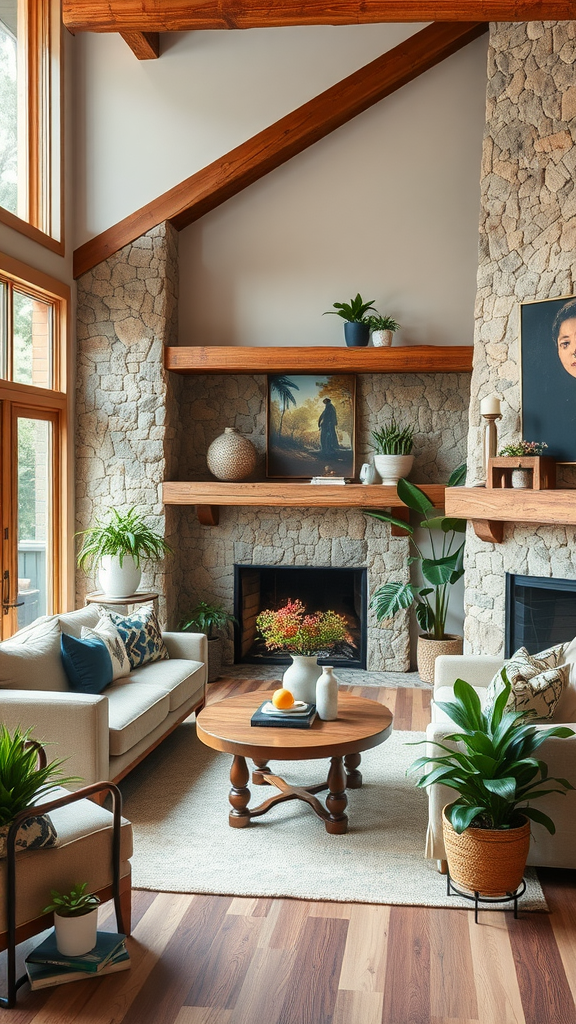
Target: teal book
48	975
284	719
107	943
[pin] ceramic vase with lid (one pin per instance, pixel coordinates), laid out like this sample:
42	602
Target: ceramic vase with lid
231	456
327	695
300	677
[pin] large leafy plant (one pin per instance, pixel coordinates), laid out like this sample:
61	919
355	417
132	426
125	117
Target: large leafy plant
354	311
497	771
440	570
22	781
121	534
207	618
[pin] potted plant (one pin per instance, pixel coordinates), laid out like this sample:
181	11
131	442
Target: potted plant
522	453
392	446
440	571
487	827
381	330
209	618
116	545
305	637
356	328
75	919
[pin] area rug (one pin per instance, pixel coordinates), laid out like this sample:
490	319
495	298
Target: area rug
177	801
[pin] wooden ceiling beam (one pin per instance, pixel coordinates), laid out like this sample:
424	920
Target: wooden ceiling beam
188	15
226	177
144	45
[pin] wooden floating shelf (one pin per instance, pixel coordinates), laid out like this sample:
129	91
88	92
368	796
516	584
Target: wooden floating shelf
489	509
319	359
210	495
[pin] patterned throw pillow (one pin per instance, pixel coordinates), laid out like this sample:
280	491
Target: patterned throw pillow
106	631
536	680
141	634
32	834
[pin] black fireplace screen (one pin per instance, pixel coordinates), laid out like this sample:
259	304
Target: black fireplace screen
540	612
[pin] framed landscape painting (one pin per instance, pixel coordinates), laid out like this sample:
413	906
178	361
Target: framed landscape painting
311	426
548	375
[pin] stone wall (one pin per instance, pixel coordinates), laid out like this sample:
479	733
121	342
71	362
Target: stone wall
527	252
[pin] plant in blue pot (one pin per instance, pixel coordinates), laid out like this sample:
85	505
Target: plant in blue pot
357	324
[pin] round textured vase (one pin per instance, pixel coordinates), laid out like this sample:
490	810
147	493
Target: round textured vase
488	861
521	479
300	678
327	695
393	467
231	456
429	649
118	580
356	335
381	339
76	935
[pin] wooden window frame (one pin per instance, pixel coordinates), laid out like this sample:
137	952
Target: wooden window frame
40	49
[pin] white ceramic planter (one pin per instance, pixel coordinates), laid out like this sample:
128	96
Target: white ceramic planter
116	580
76	935
382	339
301	676
327	695
393	467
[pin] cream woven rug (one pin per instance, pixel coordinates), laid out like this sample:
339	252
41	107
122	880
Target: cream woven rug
177	801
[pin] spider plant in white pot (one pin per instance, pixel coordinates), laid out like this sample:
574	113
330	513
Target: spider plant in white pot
116	547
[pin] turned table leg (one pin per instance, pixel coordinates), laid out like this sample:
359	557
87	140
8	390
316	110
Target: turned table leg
336	801
354	777
262	768
239	797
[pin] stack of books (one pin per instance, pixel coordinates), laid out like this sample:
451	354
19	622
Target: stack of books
45	966
328	480
300	716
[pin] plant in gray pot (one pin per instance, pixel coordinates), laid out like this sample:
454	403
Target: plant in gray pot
382	329
209	619
392	446
116	545
356	327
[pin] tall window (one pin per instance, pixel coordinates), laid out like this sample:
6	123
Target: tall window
34	495
30	143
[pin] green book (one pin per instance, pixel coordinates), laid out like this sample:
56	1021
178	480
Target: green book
48	975
107	943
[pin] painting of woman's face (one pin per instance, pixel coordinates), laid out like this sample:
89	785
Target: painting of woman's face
567	345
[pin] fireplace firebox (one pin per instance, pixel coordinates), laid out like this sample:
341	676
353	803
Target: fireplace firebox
540	612
257	587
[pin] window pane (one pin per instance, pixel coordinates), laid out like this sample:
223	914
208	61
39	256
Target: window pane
34	518
8	106
33	332
3	329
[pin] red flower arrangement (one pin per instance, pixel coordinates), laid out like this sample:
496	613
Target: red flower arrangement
290	629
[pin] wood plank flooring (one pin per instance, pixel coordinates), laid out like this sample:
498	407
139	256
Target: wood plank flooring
222	960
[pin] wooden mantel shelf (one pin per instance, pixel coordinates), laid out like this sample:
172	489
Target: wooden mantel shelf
489	508
210	495
319	359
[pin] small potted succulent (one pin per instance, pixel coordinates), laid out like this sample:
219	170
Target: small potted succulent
116	545
521	476
356	327
392	446
381	330
209	619
75	919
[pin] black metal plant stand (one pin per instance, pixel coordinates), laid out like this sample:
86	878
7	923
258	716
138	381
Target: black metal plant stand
476	898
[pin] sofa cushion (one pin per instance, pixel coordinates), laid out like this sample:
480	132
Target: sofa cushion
536	681
31	659
134	710
141	634
72	622
106	631
87	663
179	678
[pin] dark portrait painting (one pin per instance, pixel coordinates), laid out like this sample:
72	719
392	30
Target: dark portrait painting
310	426
548	375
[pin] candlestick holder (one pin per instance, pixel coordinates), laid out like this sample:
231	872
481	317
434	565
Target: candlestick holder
490	442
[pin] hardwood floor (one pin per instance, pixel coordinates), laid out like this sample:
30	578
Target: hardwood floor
222	960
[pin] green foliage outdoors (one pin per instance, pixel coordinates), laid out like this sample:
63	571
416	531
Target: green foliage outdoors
75	903
354	311
207	618
382	323
21	780
392	439
8	121
497	772
122	533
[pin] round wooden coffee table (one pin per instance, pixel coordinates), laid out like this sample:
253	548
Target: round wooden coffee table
361	724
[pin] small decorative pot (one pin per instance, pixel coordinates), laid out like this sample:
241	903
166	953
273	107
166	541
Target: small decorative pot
488	861
429	649
368	473
300	677
327	695
521	479
231	456
382	339
76	935
392	467
119	580
356	335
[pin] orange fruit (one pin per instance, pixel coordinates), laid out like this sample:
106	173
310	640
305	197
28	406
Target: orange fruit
282	699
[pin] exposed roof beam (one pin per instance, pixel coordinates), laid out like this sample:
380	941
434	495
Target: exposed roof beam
186	15
144	45
217	182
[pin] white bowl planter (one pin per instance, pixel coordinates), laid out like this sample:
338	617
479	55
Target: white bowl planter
393	467
76	935
119	580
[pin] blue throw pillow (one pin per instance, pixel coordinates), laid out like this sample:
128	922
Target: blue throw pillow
87	664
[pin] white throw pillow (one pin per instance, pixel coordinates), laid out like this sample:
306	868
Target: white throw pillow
31	659
106	631
537	682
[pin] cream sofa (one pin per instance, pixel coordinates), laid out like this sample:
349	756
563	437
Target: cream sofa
103	736
557	851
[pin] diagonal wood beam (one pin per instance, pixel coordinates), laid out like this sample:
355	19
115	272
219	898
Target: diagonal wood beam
186	15
144	45
217	182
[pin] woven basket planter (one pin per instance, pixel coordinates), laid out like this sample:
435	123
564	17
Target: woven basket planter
428	650
490	862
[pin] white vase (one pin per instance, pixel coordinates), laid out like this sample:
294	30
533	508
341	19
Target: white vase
327	695
368	474
76	935
300	677
382	339
119	580
392	467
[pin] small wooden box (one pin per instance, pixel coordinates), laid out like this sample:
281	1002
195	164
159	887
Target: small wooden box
543	471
